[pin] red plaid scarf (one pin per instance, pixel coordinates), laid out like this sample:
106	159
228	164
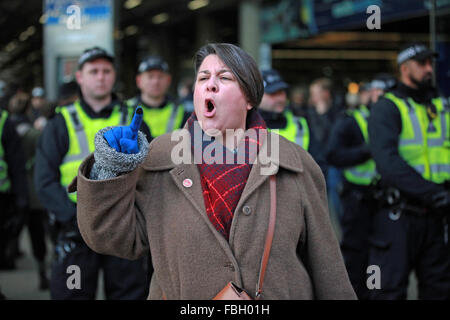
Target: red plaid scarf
222	184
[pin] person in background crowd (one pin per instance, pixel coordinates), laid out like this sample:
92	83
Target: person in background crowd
322	111
13	191
38	105
321	115
68	93
365	93
273	110
382	83
35	215
348	149
409	134
298	101
67	139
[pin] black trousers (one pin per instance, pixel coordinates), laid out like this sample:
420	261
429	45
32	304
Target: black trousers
35	221
123	279
11	222
402	243
355	225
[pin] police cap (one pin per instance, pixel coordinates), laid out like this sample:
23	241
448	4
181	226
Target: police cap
416	51
93	54
153	63
272	81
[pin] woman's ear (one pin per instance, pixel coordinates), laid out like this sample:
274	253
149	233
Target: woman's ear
249	107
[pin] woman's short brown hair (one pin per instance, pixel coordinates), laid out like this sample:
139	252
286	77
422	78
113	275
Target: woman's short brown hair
241	64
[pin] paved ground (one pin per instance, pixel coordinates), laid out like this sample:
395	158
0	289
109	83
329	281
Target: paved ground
22	283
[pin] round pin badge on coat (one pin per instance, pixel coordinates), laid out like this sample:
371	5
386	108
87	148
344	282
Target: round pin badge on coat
187	183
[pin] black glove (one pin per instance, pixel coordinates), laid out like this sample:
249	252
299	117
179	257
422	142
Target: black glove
441	200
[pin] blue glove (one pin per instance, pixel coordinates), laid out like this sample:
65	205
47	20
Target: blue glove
125	138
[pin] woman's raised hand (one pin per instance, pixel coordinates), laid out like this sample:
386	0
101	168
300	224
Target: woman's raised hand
125	138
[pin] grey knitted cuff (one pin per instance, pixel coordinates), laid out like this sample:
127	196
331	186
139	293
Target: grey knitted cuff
110	163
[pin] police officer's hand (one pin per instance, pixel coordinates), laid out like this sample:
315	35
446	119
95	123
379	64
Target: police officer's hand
441	200
125	138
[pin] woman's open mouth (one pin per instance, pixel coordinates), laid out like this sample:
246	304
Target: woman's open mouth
210	108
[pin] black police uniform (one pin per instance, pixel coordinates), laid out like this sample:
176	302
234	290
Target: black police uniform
123	279
347	148
14	201
35	215
415	237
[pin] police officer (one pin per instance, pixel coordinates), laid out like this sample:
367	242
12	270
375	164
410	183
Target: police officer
273	110
35	216
67	139
161	113
409	139
348	149
13	191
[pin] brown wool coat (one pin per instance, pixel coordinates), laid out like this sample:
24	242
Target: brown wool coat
149	208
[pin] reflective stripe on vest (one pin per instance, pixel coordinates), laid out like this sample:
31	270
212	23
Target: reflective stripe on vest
425	144
160	120
364	173
5	183
81	130
296	130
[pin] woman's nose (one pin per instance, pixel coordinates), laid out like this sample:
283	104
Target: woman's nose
212	85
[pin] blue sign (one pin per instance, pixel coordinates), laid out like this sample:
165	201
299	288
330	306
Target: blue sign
57	11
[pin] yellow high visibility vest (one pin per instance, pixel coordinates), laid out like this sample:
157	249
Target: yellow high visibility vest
82	129
364	173
161	120
296	130
425	144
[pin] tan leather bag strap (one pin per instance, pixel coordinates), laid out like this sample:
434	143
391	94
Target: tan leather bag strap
269	237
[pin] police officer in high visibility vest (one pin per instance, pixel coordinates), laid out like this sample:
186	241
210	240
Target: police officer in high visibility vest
66	140
161	113
348	149
273	110
13	191
409	134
